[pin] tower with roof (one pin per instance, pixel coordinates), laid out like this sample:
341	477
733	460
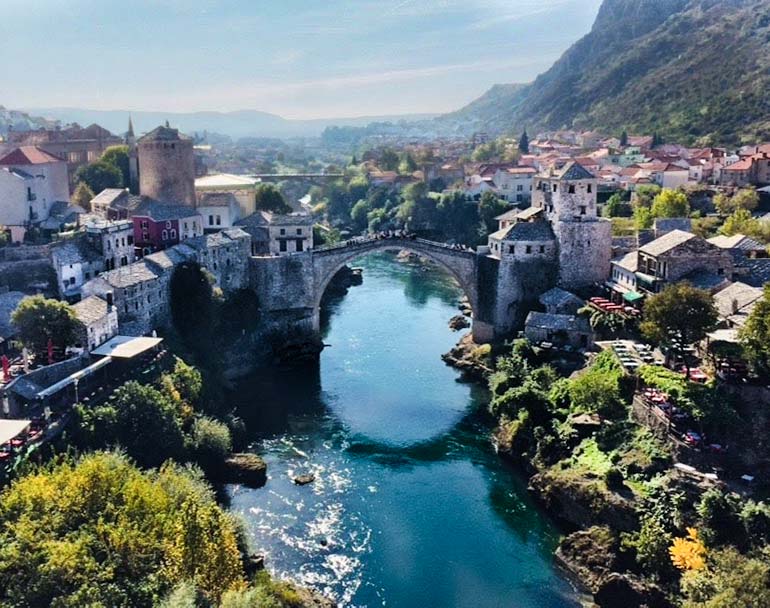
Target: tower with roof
568	200
166	166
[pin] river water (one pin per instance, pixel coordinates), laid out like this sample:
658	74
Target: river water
410	506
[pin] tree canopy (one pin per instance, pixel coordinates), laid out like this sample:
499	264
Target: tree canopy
97	531
269	198
117	156
524	143
38	320
83	195
755	334
99	176
670	203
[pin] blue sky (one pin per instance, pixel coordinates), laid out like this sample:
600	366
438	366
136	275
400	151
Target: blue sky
299	59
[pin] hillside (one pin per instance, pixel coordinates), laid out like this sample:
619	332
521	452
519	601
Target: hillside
20	121
695	70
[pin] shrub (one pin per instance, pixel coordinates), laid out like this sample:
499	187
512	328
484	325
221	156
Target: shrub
209	443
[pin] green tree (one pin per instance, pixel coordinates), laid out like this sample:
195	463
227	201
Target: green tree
389	160
117	156
624	139
616	206
359	213
524	143
82	196
407	166
209	443
97	531
459	218
38	320
745	198
740	222
670	203
730	580
99	176
269	198
755	334
678	316
138	418
643	218
644	195
489	208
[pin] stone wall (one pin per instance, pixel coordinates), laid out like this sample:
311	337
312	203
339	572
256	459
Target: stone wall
585	250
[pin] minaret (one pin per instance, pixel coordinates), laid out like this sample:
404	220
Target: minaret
133	159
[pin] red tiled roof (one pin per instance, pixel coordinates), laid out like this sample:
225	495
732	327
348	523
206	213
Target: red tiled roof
28	155
741	165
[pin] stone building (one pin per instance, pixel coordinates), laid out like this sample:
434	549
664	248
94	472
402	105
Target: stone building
160	225
166	166
568	199
219	210
679	256
114	240
75	262
98	321
242	187
559	330
276	234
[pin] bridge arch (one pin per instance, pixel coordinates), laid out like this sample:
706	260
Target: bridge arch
459	263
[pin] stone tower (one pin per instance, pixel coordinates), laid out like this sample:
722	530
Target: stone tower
167	166
568	198
133	159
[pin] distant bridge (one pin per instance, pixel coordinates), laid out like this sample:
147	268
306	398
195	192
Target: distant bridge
277	177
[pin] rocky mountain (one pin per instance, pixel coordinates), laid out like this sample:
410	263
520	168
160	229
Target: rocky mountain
695	70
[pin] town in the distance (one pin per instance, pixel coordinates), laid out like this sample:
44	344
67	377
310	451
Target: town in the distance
513	355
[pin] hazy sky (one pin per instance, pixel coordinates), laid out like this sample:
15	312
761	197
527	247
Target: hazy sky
300	59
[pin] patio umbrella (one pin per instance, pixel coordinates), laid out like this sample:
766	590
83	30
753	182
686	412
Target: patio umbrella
6	368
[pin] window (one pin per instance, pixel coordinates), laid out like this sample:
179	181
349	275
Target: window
582	209
109	246
511	248
571	189
283	231
529	248
589	188
519	198
282	246
164	235
88	275
144	224
185	225
211	220
299	230
123	241
219	220
130	239
554	187
542	248
519	188
300	245
145	236
168	223
173	233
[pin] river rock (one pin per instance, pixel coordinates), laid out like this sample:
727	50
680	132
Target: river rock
458	322
473	360
627	591
303	480
247	469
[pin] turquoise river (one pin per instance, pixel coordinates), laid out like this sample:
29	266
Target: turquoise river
410	506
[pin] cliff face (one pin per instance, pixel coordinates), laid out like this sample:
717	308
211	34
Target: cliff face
690	69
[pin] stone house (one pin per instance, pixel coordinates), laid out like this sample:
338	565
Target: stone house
114	240
740	245
735	303
623	274
514	184
560	330
524	241
677	256
98	321
290	233
75	262
561	302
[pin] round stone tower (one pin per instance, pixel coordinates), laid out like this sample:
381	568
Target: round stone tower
167	166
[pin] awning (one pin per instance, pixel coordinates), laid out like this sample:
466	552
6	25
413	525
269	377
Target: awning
632	296
11	428
73	378
126	347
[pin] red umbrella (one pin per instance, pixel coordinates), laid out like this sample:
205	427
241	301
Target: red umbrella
50	351
6	368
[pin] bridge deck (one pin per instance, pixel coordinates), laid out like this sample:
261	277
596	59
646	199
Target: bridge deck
405	242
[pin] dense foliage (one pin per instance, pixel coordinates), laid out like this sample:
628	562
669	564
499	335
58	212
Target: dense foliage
97	531
38	320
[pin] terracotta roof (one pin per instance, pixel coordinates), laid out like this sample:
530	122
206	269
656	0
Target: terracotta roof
741	165
29	155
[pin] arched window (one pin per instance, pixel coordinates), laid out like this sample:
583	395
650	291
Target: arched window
164	235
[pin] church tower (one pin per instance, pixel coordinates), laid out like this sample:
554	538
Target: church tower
133	159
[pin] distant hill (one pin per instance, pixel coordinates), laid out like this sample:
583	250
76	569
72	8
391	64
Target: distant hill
20	121
693	70
243	123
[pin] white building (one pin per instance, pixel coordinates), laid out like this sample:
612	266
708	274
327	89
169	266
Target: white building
242	187
219	210
514	184
75	262
31	180
99	321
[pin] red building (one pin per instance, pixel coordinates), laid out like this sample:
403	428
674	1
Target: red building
158	225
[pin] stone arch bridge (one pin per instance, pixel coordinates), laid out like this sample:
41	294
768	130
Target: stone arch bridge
294	283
